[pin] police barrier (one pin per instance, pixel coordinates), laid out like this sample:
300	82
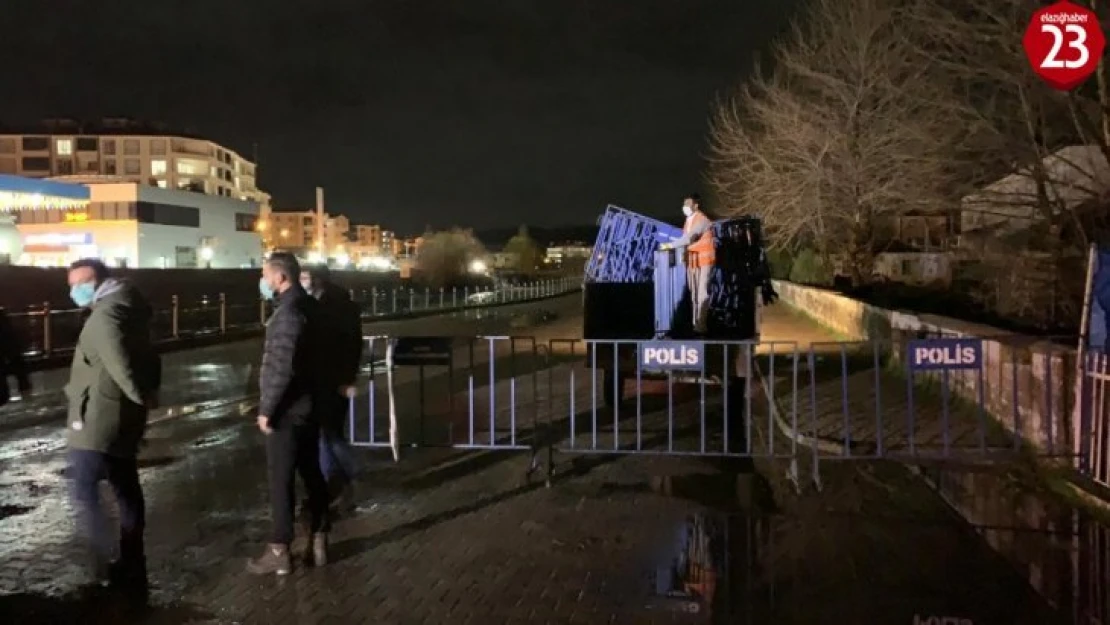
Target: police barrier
924	400
1094	426
478	393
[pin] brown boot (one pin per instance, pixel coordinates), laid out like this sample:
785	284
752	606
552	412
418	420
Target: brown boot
274	561
316	554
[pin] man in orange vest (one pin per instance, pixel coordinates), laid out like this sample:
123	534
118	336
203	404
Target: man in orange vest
697	240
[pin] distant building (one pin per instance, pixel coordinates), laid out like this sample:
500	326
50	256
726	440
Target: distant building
411	247
124	151
296	231
1076	175
505	260
133	225
391	245
368	236
567	252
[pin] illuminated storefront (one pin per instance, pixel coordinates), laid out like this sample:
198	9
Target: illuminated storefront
22	196
131	225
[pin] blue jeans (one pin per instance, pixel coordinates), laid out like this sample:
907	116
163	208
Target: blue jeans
86	470
336	462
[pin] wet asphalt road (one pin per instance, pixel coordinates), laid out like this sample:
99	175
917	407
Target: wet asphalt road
223	375
446	537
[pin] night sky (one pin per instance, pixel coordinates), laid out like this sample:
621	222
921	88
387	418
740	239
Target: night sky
409	112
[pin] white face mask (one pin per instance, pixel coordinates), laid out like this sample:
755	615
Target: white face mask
686	210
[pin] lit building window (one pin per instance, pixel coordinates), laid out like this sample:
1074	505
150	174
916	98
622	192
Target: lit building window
158	168
190	167
162	184
64	147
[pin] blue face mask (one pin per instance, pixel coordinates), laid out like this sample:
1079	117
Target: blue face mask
265	289
83	294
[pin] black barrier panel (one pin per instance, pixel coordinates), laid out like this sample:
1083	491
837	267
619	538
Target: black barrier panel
423	351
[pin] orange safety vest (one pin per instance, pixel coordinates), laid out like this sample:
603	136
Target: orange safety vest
700	253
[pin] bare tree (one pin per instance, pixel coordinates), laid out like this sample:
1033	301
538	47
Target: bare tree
848	133
1038	167
444	257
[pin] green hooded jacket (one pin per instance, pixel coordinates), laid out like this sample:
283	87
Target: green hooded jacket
115	372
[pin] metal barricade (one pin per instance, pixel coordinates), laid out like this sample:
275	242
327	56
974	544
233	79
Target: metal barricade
480	394
1093	427
922	401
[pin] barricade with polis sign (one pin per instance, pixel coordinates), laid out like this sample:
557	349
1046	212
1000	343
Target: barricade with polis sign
672	356
919	400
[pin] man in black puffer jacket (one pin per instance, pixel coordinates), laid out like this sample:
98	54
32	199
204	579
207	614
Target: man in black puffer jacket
341	325
289	381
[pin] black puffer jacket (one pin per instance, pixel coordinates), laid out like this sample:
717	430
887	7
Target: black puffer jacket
289	377
341	328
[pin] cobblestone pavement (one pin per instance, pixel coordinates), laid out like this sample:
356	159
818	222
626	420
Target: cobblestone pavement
456	537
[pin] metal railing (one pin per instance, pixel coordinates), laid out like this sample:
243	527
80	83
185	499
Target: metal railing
1094	421
46	331
775	401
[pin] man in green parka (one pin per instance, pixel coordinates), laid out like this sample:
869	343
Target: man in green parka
113	384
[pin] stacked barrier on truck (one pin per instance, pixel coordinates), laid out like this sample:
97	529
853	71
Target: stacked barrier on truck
619	291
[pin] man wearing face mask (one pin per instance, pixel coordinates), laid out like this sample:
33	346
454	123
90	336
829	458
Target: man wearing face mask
341	330
289	383
113	383
699	246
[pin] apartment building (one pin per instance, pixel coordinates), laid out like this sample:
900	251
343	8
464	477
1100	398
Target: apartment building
297	230
391	245
122	150
369	237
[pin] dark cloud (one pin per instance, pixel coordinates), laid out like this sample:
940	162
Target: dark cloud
409	112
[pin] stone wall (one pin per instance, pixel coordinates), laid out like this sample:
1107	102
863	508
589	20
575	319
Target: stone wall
1027	384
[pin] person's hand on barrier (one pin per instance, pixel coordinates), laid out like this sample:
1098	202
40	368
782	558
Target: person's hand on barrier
264	424
348	391
666	247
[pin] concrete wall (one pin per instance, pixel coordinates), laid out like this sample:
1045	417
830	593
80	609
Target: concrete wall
1028	383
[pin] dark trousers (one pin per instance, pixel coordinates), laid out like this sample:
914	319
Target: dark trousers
86	470
336	462
292	449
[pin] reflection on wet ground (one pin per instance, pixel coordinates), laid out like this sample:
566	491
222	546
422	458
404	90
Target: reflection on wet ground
816	564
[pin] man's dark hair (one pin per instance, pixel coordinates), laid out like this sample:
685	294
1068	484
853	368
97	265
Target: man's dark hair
286	264
695	198
100	270
319	273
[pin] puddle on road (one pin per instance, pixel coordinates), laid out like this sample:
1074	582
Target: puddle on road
11	450
217	439
738	562
7	510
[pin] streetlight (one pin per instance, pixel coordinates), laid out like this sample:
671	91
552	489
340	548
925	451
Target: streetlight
478	266
206	253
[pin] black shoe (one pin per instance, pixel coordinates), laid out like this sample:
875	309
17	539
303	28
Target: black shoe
130	579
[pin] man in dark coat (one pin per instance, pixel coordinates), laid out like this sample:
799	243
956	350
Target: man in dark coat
113	383
289	381
341	325
11	361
